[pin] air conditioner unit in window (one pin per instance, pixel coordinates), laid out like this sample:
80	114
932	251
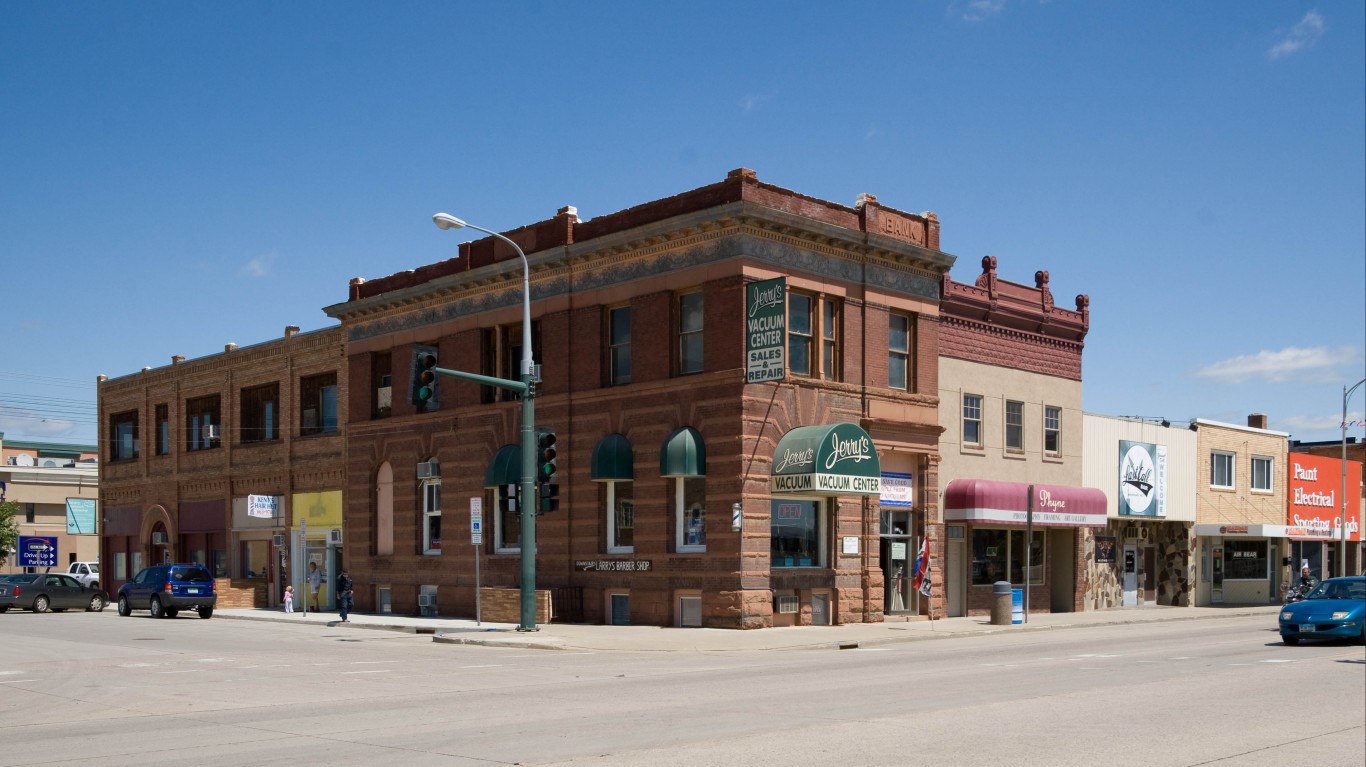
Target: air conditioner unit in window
334	536
425	470
211	432
787	604
158	538
426	600
277	540
384	397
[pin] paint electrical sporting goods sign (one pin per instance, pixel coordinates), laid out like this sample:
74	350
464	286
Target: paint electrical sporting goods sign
766	330
1314	496
1142	479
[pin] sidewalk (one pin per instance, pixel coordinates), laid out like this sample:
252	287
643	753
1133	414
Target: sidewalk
566	636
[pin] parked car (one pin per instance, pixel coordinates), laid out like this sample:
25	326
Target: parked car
41	592
1334	609
165	590
85	572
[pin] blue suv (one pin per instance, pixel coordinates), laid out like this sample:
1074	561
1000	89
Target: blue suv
165	590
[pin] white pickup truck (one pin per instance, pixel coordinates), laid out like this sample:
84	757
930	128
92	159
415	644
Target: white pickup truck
88	573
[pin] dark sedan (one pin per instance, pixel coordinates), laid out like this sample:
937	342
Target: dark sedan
41	592
1335	609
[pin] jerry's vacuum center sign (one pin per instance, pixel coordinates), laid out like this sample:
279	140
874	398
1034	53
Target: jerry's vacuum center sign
836	459
766	330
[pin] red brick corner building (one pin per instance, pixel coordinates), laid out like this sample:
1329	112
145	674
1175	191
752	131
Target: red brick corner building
640	325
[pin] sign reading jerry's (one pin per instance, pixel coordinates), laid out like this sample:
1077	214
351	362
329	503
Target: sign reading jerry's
766	330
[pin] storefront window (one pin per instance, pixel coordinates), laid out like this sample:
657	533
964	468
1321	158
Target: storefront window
997	552
796	529
1245	560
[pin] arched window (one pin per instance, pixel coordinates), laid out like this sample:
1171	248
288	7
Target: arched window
613	468
683	458
384	510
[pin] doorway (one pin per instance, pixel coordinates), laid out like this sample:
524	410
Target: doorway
1130	575
896	562
955	576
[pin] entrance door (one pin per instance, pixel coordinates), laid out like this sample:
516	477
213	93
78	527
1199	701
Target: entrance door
955	575
1130	572
896	560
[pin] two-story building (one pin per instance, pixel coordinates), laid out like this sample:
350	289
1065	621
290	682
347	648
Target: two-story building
234	461
56	486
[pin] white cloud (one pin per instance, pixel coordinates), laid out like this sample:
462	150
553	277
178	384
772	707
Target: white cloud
1302	35
1297	424
748	103
32	424
1316	363
257	267
980	10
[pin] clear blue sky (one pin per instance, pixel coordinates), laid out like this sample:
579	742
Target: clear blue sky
176	176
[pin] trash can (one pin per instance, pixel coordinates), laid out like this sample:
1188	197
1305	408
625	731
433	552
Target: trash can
1017	605
1001	603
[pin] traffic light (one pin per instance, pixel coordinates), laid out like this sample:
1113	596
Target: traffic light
545	471
422	387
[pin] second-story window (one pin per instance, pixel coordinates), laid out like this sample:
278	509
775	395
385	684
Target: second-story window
382	384
800	320
1221	470
1052	430
202	423
690	333
619	345
899	351
1262	467
163	429
972	420
830	339
260	414
1014	426
123	430
431	513
318	404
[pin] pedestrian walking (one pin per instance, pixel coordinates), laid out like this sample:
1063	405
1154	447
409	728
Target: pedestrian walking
345	595
289	599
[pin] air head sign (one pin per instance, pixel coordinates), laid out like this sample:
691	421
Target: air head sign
837	459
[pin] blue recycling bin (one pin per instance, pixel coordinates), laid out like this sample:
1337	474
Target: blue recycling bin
1017	606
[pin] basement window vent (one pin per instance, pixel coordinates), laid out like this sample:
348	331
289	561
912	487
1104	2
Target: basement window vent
787	604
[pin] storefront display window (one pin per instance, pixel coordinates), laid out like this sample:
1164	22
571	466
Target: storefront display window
796	533
997	552
1245	560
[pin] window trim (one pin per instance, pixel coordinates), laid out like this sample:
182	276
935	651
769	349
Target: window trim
680	513
903	354
430	490
686	334
163	426
964	420
610	503
1019	445
200	413
832	339
1055	430
1270	474
117	421
258	406
1232	469
614	376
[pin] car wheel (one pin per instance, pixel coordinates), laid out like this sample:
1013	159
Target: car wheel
125	609
1292	641
155	607
172	612
96	604
206	612
41	604
4	609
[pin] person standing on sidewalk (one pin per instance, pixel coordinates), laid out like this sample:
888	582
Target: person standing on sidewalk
315	582
289	599
345	594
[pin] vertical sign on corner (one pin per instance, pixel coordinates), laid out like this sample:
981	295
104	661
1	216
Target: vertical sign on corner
766	330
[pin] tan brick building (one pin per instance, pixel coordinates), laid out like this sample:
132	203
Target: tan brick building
50	481
639	322
223	460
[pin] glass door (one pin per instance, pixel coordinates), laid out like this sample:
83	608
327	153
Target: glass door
897	560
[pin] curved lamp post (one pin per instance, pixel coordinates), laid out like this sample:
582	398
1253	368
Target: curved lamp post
526	504
1342	544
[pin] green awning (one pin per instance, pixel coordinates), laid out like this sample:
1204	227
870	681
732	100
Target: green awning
683	454
612	459
505	468
833	459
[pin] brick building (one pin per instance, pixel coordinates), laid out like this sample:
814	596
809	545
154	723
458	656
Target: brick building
56	486
639	325
1010	387
224	461
1328	486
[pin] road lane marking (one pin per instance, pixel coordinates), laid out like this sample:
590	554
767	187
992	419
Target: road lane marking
186	671
1279	660
371	671
17	681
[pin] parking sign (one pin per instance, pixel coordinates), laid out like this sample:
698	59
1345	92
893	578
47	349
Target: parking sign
37	551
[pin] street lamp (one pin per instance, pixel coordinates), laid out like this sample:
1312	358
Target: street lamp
1342	544
526	507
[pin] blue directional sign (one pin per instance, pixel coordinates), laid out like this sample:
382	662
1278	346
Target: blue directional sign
37	551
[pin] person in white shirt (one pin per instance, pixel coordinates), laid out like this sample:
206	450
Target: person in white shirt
315	581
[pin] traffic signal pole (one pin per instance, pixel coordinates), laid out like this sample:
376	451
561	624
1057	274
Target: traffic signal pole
526	501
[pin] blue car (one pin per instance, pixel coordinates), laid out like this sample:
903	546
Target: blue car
1335	609
165	590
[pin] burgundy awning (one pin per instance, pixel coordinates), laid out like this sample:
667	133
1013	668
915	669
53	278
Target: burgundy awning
1005	503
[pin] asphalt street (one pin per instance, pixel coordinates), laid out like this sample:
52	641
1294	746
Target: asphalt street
96	689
